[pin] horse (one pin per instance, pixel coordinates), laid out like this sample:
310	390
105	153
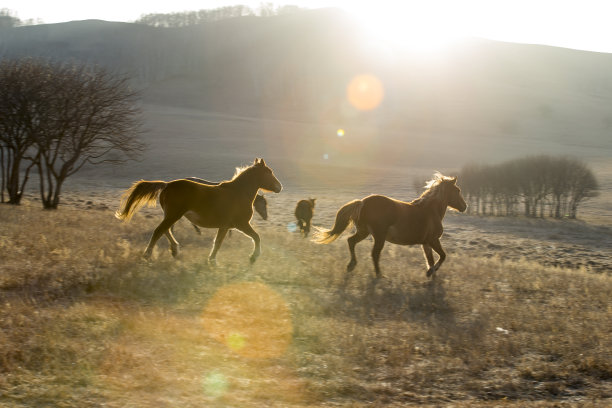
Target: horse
260	204
303	213
399	222
224	206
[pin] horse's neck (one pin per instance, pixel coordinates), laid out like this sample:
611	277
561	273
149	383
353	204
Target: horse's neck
244	183
438	206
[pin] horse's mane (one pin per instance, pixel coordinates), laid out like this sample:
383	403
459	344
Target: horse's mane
240	170
433	189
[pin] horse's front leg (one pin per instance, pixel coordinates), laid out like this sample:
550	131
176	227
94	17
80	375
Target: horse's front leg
436	246
248	230
430	259
212	258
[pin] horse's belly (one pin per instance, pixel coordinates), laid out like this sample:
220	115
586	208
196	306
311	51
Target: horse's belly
202	220
401	236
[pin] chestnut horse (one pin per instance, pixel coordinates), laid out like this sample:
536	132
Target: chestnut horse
399	222
260	204
224	206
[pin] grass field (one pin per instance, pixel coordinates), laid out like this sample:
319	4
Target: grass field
85	322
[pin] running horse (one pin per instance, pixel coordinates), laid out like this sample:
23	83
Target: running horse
224	206
260	205
399	222
303	214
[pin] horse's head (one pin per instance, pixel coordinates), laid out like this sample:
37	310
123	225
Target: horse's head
265	177
312	202
453	195
261	206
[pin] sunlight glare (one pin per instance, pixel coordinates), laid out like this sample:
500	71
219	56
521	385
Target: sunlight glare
250	318
421	27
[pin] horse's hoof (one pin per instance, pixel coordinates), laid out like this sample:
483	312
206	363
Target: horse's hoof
212	262
430	272
351	266
252	260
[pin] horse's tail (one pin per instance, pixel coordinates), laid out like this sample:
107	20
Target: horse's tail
347	214
141	193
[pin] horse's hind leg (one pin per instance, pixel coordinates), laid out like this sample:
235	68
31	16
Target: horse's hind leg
174	245
218	241
379	243
307	228
161	229
358	236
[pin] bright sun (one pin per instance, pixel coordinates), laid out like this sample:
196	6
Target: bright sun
419	27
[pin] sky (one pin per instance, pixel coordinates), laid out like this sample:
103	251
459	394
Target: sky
424	24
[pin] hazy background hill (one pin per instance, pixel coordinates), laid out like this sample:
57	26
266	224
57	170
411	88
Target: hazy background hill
222	92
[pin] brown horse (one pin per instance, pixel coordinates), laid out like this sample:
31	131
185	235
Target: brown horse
399	222
260	205
303	213
224	206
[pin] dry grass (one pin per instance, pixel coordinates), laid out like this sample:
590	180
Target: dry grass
85	322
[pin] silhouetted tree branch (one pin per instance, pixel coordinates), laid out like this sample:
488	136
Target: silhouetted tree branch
59	117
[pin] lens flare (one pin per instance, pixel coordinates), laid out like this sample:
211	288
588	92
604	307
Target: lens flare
214	384
340	133
236	341
365	92
250	319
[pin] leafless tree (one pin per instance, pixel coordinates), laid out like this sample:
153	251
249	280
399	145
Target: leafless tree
23	113
60	117
556	185
95	119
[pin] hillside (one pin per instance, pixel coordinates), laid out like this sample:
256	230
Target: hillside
219	94
298	66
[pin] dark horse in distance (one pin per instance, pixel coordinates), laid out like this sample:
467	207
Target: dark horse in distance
224	206
303	213
399	222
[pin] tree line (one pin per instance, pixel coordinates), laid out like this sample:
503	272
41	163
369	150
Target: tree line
8	19
57	117
190	18
536	186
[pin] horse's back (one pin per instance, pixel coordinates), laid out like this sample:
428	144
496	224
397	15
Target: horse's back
191	195
386	211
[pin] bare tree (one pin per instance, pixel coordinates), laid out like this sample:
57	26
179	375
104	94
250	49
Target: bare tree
582	185
23	114
94	119
556	184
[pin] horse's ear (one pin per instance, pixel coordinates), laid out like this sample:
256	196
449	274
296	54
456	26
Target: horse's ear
262	162
454	180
